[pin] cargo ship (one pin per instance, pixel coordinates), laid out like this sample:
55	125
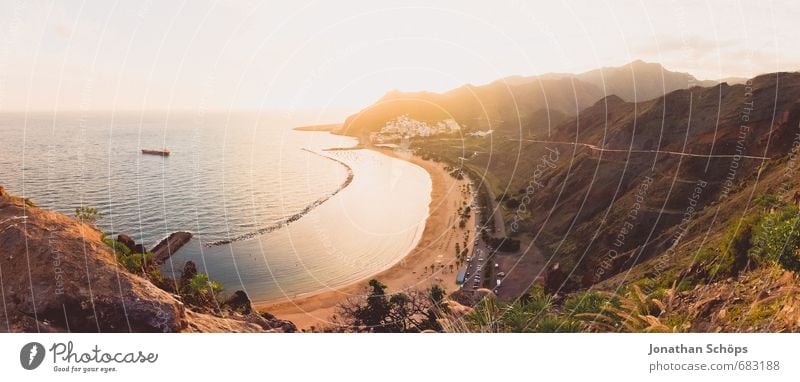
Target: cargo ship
163	153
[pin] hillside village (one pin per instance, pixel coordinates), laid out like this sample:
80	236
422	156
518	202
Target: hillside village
405	127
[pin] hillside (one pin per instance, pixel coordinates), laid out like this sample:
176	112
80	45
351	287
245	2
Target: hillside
498	106
59	275
519	105
630	193
690	146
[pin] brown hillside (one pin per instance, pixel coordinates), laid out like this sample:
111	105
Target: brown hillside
58	275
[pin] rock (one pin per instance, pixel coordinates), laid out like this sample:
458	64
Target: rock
554	279
3	193
240	302
127	240
189	271
283	326
269	322
206	323
131	244
66	277
58	275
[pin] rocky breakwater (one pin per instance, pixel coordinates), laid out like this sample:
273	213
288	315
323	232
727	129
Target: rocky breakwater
57	275
163	250
167	247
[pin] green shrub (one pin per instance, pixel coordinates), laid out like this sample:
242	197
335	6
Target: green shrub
201	285
135	262
88	215
767	200
586	302
117	246
536	300
155	276
554	324
138	263
735	247
776	239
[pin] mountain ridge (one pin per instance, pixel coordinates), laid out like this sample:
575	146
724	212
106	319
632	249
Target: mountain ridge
518	103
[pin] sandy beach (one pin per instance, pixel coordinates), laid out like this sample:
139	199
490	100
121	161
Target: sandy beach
436	246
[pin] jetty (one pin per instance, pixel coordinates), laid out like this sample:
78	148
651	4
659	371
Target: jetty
167	247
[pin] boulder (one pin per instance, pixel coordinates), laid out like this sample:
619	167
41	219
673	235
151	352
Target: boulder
189	271
127	240
240	302
138	248
554	278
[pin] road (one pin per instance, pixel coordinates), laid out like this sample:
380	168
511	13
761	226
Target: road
479	258
481	252
597	148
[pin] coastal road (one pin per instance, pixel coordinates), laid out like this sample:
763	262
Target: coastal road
665	152
479	251
479	258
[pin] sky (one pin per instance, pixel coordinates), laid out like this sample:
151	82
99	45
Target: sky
340	56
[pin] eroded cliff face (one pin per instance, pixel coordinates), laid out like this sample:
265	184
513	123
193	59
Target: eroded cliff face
58	275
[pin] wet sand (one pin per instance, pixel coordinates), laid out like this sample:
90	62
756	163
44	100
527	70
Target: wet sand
436	247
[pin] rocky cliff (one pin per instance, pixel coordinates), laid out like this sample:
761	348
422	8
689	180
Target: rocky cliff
57	275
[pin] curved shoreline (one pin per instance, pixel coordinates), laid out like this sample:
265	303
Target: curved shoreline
435	245
294	217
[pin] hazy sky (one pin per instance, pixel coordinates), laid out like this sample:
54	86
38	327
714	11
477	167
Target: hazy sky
342	55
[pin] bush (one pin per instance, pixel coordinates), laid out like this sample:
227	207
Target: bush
135	262
117	246
776	239
408	311
511	203
735	247
767	200
201	285
554	324
586	302
87	215
536	300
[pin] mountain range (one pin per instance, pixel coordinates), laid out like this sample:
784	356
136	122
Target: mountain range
521	104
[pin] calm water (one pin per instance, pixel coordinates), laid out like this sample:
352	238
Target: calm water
228	176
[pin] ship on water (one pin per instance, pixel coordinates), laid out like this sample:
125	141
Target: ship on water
162	152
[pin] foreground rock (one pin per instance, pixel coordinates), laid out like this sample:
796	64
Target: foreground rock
58	275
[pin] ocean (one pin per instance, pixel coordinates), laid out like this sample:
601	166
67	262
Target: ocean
234	181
